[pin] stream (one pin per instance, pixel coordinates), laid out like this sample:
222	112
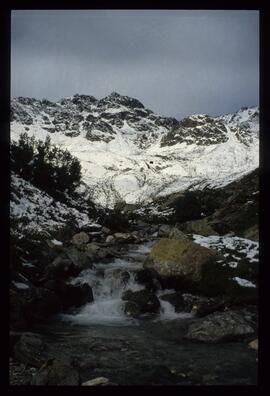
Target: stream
144	351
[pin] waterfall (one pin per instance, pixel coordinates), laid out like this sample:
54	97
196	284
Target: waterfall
108	282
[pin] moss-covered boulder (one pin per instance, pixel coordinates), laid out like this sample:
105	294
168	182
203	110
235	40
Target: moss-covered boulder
185	265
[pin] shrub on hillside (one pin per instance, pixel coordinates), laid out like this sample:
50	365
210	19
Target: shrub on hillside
193	205
46	166
115	220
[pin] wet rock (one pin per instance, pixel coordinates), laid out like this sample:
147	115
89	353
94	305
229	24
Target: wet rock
29	304
80	238
56	372
30	349
176	299
61	267
105	230
110	239
96	381
75	295
140	302
148	278
92	248
220	326
185	265
80	259
204	308
43	304
254	344
124	237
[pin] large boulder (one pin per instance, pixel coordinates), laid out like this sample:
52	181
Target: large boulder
185	265
29	304
70	263
80	259
61	268
57	372
140	302
221	326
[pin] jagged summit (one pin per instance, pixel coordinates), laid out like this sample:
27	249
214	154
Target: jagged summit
128	152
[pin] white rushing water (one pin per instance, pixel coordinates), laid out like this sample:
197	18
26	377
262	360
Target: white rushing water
109	281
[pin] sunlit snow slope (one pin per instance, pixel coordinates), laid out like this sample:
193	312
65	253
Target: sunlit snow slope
127	152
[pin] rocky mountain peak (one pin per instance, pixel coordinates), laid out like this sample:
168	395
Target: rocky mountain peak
129	152
116	98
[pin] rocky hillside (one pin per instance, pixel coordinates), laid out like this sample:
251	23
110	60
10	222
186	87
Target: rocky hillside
129	153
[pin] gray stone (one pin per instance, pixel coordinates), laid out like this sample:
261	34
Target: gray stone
220	326
96	381
80	238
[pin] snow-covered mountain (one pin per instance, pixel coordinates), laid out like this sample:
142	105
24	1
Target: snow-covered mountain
129	153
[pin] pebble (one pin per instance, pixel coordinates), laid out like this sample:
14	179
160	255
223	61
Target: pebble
96	381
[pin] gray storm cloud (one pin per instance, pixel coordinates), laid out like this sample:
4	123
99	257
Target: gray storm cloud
176	62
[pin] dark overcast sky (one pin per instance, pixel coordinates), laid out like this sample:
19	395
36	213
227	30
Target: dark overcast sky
176	62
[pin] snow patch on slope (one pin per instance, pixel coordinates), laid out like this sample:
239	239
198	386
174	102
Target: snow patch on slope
37	212
131	164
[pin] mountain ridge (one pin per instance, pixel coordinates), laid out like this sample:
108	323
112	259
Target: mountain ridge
130	153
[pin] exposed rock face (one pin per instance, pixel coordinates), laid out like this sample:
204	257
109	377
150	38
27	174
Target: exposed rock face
149	144
239	209
200	129
220	326
140	302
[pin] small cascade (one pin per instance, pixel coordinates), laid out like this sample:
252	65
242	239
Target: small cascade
108	282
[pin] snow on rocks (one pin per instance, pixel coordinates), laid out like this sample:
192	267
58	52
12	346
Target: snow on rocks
118	142
243	282
55	242
231	246
36	211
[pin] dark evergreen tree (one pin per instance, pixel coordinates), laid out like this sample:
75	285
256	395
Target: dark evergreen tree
46	166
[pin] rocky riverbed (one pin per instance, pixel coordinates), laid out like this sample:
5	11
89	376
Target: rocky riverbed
146	354
134	332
